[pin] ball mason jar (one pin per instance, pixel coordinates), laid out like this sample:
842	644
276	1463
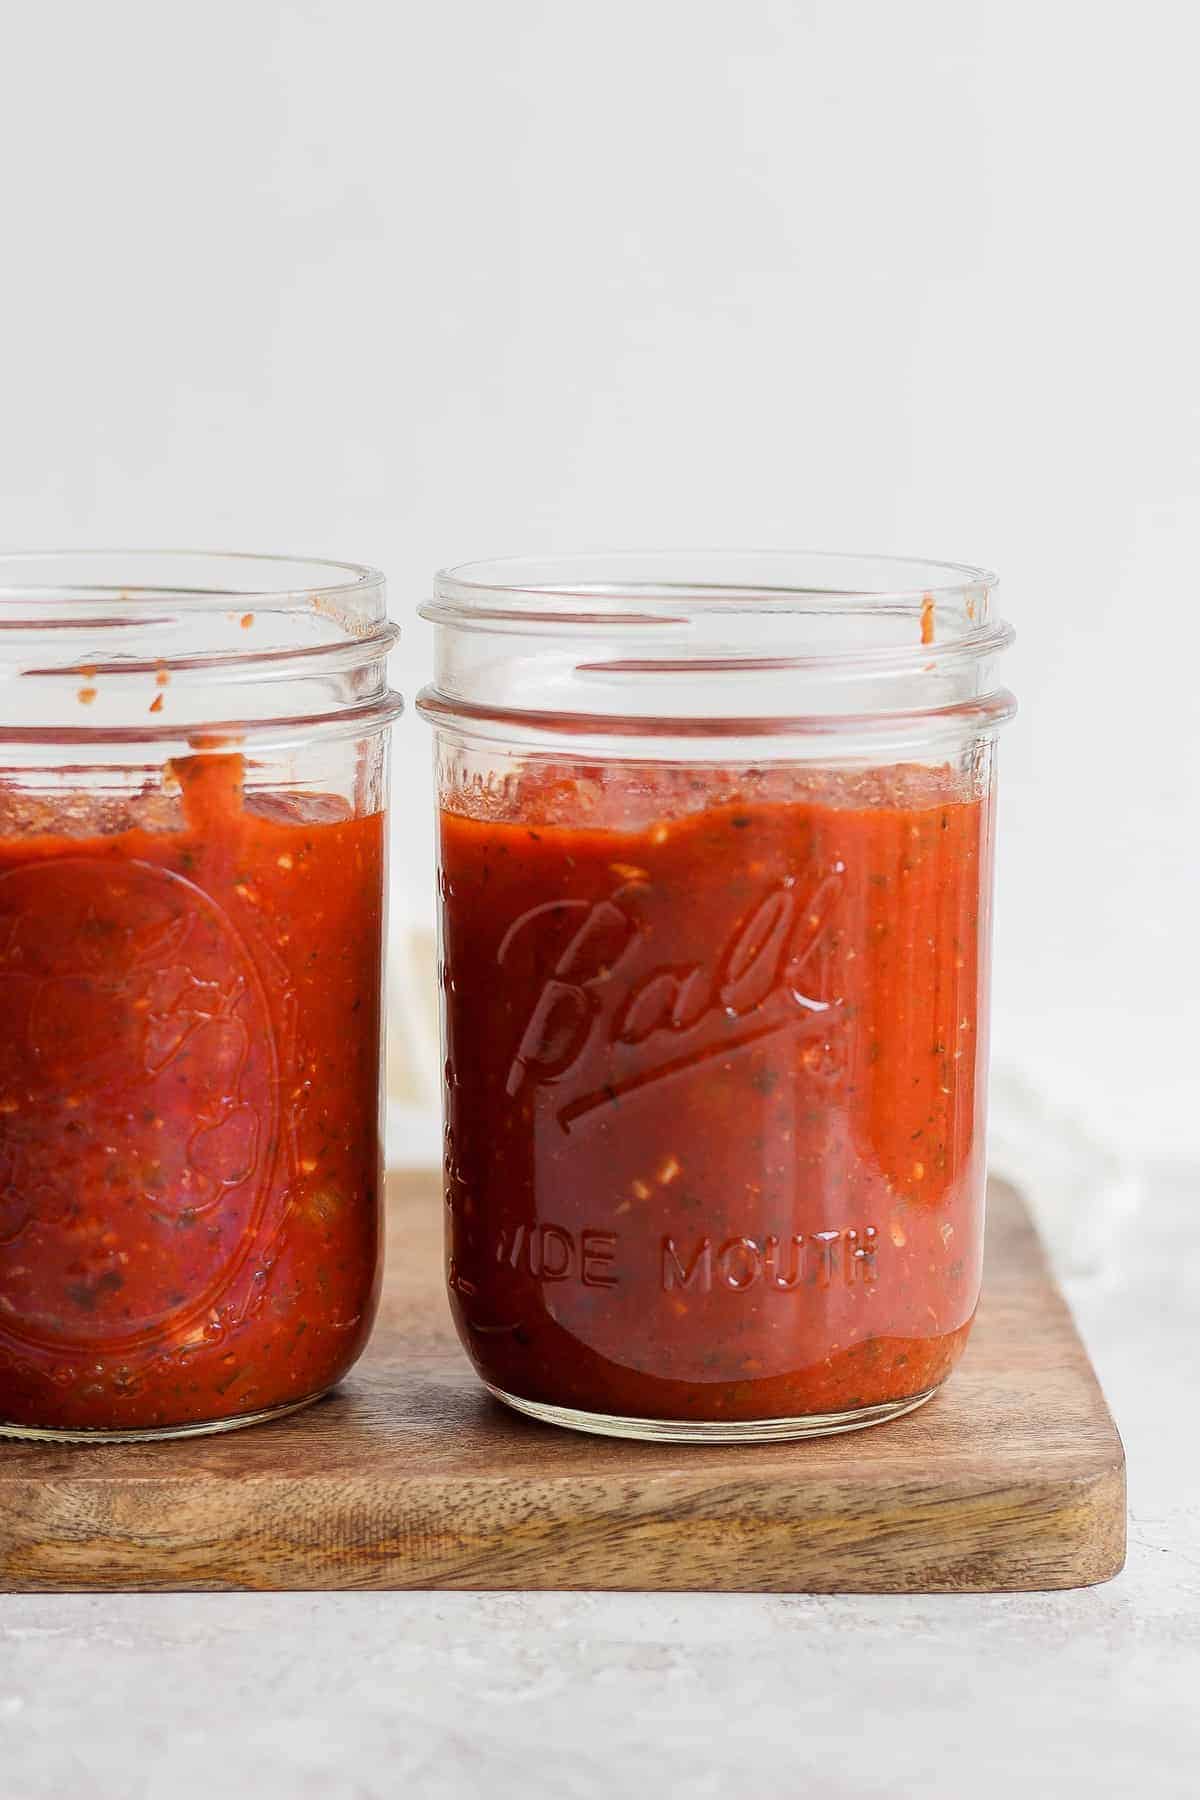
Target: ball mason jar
192	796
715	895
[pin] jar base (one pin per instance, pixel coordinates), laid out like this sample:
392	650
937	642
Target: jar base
712	1431
42	1434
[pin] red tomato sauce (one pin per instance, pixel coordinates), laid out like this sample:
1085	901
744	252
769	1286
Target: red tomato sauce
189	1101
714	1086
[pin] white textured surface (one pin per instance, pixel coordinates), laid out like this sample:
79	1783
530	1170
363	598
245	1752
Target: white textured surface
575	1696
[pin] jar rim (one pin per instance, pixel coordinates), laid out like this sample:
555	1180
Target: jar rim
671	645
750	580
162	643
342	577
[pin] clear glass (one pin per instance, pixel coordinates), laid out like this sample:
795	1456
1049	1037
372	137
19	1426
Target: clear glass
715	879
193	785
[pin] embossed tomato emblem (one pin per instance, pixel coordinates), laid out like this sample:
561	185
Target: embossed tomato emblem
138	1101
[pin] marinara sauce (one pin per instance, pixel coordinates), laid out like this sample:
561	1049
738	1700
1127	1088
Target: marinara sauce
189	1080
715	1086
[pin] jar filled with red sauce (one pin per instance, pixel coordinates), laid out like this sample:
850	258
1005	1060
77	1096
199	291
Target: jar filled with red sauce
192	808
715	892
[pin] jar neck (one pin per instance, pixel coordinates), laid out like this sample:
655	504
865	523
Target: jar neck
630	652
112	648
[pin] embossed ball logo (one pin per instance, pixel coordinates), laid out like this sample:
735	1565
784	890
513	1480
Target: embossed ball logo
138	1103
602	991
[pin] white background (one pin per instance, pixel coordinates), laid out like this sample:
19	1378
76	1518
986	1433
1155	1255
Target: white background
412	283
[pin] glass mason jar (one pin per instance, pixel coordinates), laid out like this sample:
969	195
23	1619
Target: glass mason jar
192	792
715	882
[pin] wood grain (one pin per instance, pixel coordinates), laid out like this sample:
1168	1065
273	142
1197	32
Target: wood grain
411	1477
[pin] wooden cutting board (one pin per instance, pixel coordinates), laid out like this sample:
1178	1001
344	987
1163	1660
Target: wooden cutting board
410	1477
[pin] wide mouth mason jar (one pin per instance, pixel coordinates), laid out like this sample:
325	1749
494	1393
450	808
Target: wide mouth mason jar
192	796
715	882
